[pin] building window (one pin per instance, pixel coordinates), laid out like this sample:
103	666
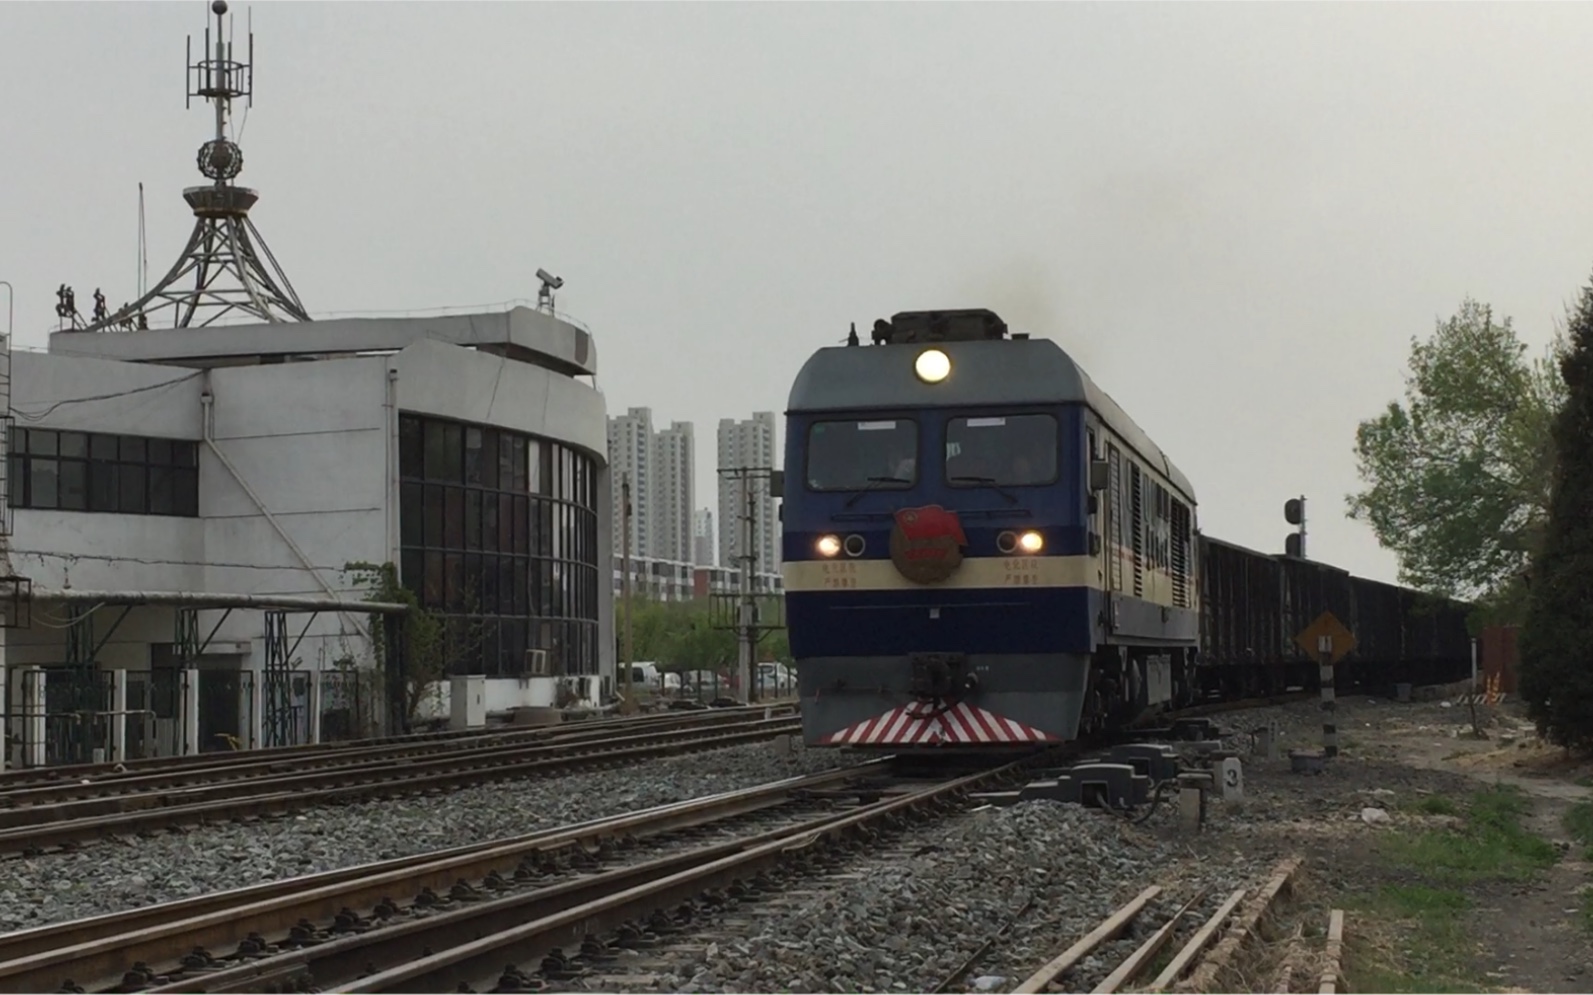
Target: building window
498	532
93	471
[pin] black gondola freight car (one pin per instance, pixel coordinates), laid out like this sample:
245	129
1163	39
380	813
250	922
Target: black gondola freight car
1241	624
1254	604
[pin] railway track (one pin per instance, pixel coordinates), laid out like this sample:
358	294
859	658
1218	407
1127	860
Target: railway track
84	780
438	921
47	816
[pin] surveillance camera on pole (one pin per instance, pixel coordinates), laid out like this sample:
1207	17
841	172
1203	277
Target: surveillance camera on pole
1294	514
550	283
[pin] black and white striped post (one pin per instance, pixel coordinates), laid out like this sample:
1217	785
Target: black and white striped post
1330	729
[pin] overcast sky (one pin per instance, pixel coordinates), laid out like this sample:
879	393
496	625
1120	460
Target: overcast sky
1236	216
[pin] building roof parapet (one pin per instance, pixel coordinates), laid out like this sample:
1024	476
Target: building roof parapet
521	332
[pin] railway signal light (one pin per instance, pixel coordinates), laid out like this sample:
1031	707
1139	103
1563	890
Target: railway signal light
1294	514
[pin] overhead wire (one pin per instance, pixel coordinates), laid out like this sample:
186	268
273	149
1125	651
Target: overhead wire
35	416
155	562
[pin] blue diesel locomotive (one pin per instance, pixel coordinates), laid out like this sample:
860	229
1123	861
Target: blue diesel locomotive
981	549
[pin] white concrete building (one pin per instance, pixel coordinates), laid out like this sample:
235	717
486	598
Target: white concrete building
702	537
654	580
260	460
748	444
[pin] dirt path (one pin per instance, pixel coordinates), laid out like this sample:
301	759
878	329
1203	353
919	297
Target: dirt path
1534	932
1521	927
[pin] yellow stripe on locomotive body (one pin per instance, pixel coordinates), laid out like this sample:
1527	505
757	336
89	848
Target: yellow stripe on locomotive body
975	573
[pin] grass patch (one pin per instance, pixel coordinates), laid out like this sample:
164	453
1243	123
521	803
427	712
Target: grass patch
1437	805
1425	946
1578	821
1417	938
1491	844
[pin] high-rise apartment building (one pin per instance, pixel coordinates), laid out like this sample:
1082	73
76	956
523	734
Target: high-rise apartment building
747	444
674	493
659	466
702	538
630	458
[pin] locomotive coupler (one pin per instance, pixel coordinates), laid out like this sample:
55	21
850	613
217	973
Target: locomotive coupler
940	675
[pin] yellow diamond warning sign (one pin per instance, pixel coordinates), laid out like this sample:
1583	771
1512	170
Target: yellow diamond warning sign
1326	635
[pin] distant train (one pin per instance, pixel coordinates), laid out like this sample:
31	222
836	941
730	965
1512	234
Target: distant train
981	549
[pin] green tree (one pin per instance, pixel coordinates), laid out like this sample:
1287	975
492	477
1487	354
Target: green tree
699	644
432	648
1457	476
691	635
652	625
1556	667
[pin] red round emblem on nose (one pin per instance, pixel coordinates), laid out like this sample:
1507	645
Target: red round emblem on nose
926	544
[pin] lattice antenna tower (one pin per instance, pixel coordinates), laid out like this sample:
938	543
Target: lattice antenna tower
226	270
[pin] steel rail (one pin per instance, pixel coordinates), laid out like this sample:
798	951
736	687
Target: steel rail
19	778
246	768
232	800
378	769
97	952
472	957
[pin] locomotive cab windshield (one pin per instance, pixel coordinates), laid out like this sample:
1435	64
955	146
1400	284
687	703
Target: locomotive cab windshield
859	454
1005	451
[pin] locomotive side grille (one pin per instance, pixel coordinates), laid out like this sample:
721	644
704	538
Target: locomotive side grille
1180	555
1138	498
1116	525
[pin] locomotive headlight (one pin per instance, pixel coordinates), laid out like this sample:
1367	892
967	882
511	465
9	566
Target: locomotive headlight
932	366
828	546
1031	542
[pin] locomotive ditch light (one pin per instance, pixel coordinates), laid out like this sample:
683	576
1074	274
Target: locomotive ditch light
1031	542
932	366
828	546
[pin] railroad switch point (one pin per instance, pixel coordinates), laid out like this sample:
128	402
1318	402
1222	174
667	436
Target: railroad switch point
1157	761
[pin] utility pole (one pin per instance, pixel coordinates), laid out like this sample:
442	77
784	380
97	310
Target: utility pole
15	592
743	611
746	610
627	701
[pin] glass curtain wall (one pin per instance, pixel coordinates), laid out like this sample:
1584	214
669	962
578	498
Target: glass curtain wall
499	534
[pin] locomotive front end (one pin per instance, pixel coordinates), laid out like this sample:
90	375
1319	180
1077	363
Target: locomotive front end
937	572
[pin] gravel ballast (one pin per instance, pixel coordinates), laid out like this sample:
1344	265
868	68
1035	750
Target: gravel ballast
128	872
906	920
